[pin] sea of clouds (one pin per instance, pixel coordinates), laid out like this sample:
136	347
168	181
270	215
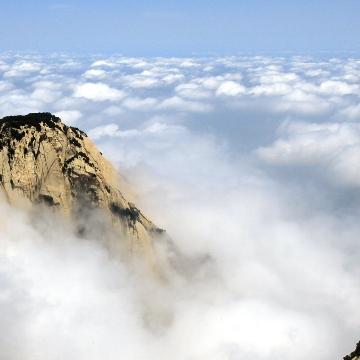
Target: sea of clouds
252	162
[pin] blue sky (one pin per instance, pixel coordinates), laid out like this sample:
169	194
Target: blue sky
185	27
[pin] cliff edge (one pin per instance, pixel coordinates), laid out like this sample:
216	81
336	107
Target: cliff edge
43	161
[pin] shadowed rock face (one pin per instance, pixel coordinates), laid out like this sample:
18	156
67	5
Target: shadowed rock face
44	161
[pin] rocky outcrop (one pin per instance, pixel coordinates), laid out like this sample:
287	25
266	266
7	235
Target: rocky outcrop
43	161
355	355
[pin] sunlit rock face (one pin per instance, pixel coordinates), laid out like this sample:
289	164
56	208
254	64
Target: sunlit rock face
43	161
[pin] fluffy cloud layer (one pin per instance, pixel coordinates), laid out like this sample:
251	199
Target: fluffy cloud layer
296	88
249	162
332	147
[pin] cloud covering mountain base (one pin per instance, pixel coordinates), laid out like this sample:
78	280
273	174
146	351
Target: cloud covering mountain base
250	165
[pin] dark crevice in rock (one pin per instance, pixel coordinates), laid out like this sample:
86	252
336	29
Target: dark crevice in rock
16	134
86	159
85	187
132	214
74	142
47	200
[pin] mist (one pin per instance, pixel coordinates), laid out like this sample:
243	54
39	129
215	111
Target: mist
251	172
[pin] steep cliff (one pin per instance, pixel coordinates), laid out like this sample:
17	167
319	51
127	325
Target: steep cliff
43	161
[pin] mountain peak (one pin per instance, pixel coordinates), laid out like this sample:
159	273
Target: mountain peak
44	161
37	121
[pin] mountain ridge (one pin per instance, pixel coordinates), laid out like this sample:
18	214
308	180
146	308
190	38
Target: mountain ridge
44	161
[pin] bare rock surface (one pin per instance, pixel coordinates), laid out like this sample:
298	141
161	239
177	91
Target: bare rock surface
43	161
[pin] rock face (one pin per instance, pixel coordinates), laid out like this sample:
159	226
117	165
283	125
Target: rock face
43	161
355	355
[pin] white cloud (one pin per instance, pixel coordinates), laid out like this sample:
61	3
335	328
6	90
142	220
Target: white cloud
317	73
113	110
189	63
95	74
70	117
192	91
172	78
104	130
230	88
4	66
302	102
19	102
275	89
280	77
22	68
110	130
286	260
47	84
45	95
332	87
137	81
140	104
351	112
179	104
276	245
104	63
333	147
5	86
98	92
